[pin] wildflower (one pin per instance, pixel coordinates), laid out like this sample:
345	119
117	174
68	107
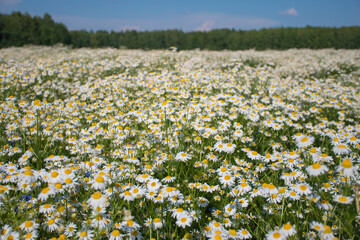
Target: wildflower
229	148
129	225
85	234
97	199
303	189
70	230
46	208
115	235
244	234
52	224
157	223
227	180
45	193
127	195
182	156
343	199
54	177
220	147
288	230
99	183
211	157
184	221
347	168
253	155
304	141
29	226
317	226
28	176
31	235
243	187
275	235
317	169
341	149
168	179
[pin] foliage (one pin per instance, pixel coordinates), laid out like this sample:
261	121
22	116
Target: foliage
19	29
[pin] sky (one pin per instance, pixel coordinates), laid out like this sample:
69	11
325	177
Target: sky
190	15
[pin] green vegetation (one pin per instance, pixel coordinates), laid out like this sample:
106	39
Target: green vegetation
19	29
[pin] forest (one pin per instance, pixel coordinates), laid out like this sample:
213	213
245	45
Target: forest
18	29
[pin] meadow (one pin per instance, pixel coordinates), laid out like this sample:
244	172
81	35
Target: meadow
167	144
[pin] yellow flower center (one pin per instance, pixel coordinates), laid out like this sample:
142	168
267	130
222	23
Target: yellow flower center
277	235
116	233
316	166
45	190
100	179
342	199
346	164
304	139
287	226
29	224
96	195
28	173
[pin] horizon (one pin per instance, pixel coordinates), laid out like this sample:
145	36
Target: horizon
200	15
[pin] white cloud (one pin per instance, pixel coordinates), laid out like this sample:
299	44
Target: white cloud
201	21
10	2
206	26
290	12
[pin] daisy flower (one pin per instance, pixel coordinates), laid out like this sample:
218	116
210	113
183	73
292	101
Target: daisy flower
184	221
54	177
31	235
253	155
29	226
288	229
168	179
275	235
229	148
85	234
70	230
97	199
317	226
46	208
115	235
129	225
45	193
317	169
347	168
157	223
182	156
178	212
244	187
52	224
227	180
220	147
99	183
304	141
343	199
211	157
303	189
244	234
127	195
28	176
341	149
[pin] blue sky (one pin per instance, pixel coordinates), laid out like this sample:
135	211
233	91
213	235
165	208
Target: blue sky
190	15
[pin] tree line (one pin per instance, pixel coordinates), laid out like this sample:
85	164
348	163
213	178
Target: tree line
17	29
